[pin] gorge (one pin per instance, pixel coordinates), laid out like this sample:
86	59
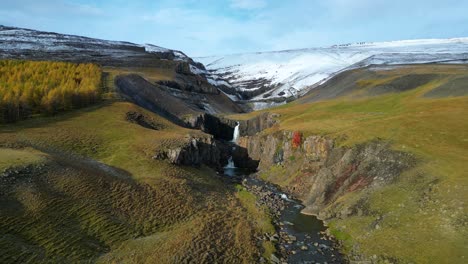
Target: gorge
324	172
298	237
151	157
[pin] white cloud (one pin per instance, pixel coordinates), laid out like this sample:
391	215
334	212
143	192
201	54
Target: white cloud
248	4
204	27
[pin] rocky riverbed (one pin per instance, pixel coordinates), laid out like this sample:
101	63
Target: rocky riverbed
299	238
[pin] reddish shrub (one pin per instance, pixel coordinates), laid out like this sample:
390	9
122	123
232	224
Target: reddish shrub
297	139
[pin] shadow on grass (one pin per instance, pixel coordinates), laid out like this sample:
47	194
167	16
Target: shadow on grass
43	120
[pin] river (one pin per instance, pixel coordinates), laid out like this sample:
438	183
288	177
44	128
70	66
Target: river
299	238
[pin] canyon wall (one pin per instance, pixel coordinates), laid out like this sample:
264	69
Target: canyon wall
318	171
223	128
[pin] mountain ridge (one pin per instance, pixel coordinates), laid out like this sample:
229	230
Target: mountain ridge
23	43
188	81
5	30
268	78
255	80
350	44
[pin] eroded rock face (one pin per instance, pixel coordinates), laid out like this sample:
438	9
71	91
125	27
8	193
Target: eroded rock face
257	124
190	82
143	120
319	172
223	128
216	149
219	127
194	152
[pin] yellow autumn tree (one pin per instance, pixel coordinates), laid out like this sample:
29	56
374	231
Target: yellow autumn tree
34	87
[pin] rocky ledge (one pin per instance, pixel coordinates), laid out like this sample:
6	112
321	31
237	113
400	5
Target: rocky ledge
195	151
319	172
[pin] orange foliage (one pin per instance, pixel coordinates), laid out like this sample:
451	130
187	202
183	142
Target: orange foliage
297	139
32	87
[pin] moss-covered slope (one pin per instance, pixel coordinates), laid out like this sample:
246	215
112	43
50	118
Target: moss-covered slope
420	216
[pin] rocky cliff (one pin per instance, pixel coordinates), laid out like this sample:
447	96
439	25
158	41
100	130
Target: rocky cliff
223	128
319	171
206	150
257	124
215	149
195	151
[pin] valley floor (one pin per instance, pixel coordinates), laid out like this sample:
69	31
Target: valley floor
85	187
392	116
90	185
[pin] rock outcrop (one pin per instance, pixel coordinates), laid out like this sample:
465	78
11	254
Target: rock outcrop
220	128
186	80
223	128
143	120
196	151
319	172
257	124
137	90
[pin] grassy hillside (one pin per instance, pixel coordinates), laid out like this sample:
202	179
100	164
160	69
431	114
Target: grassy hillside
422	218
28	87
67	208
82	186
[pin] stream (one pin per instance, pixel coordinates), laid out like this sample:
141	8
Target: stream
299	238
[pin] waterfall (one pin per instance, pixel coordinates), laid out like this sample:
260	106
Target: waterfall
230	164
235	135
285	197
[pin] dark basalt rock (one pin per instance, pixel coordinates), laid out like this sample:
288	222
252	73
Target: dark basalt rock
257	124
142	120
170	84
223	128
241	159
39	45
219	127
326	171
195	151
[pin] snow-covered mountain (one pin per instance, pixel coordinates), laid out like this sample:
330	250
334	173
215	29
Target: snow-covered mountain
20	43
267	78
263	79
188	83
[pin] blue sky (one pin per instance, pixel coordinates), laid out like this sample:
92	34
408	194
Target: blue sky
207	27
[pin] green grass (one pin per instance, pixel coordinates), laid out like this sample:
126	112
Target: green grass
157	212
259	216
269	249
18	157
140	210
424	214
74	212
150	74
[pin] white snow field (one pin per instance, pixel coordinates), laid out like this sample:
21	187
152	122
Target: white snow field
291	73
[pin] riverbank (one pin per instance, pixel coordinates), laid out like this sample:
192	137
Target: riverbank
299	238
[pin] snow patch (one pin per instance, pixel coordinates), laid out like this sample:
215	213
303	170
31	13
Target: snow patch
294	72
263	105
196	70
155	49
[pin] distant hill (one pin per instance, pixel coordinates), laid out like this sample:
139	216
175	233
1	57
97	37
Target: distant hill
269	78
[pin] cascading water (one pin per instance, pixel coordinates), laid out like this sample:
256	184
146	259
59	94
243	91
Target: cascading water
300	237
235	135
230	167
230	164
